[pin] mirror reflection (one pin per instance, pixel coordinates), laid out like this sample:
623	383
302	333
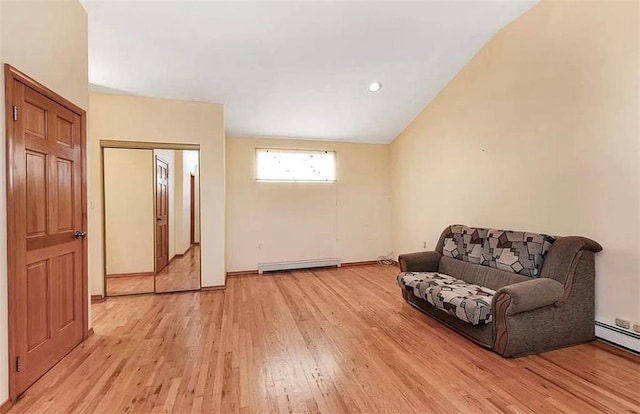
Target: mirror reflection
152	220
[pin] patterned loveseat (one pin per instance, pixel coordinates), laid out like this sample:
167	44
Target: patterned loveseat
514	292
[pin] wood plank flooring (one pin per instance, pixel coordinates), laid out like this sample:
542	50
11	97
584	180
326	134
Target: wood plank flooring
330	341
182	273
129	285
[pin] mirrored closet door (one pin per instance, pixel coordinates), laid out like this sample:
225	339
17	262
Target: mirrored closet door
152	220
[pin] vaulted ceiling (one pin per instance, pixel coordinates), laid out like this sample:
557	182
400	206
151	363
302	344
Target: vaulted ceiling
292	69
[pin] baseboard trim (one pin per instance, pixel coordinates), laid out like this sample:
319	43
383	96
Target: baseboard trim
298	264
182	254
362	263
624	338
97	299
5	406
242	272
212	288
346	264
139	274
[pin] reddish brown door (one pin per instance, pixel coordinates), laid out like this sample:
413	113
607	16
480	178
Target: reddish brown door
45	241
162	214
193	209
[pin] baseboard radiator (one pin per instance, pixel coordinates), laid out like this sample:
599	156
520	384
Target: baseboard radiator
619	336
298	264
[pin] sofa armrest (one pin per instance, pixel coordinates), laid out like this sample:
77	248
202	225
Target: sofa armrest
561	258
526	296
420	262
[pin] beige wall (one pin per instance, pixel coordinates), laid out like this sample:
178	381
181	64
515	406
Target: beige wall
129	210
47	41
269	222
192	166
135	118
538	132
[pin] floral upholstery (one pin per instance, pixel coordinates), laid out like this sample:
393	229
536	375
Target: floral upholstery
467	302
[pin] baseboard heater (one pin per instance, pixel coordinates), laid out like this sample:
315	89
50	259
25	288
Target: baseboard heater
622	337
297	264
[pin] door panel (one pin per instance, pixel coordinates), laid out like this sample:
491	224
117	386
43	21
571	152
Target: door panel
45	209
64	192
162	214
38	328
35	120
65	272
64	129
36	203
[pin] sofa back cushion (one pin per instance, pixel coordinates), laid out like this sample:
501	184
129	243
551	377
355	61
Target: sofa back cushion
511	251
479	275
516	251
465	243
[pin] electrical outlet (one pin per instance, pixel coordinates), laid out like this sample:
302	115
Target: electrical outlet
622	323
636	327
424	245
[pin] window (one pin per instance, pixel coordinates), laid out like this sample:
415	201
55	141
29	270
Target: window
295	165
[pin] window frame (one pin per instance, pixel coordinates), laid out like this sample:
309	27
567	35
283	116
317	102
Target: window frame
295	150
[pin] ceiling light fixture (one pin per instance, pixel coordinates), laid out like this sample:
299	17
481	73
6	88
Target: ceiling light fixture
375	87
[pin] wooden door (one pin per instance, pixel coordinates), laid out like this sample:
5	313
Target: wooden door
46	222
193	210
162	214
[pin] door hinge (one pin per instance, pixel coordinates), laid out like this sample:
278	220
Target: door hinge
18	367
15	113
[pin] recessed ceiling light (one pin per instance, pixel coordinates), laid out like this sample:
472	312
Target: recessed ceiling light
375	87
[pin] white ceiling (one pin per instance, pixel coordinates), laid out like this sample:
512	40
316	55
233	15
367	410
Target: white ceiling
292	69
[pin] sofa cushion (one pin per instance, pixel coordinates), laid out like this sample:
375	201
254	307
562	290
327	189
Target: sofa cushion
516	251
479	275
418	282
409	280
465	243
512	251
467	302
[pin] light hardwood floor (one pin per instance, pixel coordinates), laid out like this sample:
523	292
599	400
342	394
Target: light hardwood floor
331	341
129	285
182	273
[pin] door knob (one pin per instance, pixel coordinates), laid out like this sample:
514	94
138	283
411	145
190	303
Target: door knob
159	218
80	234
